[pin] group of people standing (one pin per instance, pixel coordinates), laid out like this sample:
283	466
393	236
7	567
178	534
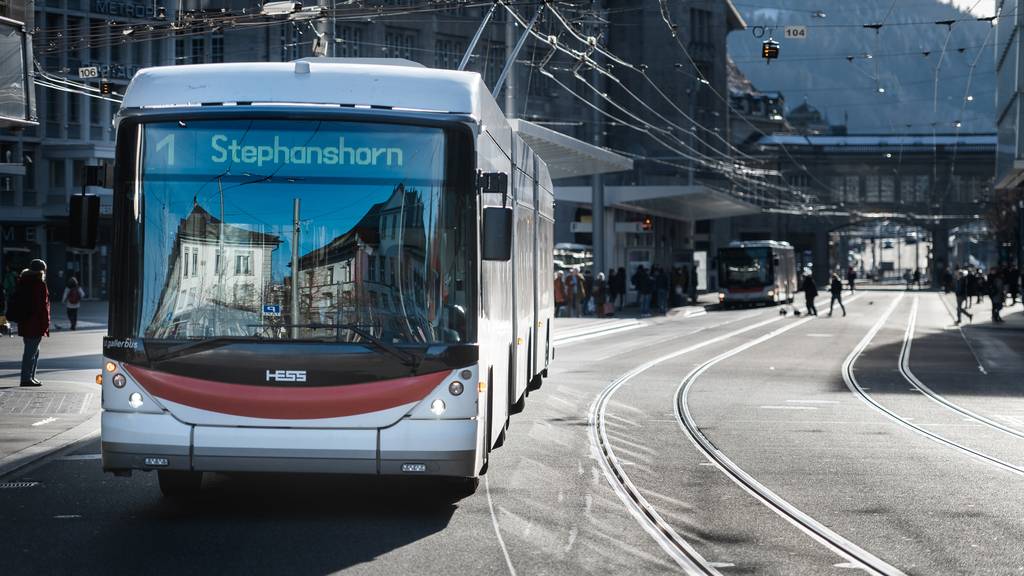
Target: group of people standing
578	294
972	284
25	301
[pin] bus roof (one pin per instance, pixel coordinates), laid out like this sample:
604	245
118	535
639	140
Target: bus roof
759	244
321	81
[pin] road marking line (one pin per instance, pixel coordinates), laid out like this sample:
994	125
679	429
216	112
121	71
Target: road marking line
44	421
497	530
67	516
82	457
787	407
813	401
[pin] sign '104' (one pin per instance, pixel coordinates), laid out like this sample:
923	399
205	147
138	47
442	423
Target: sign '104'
796	32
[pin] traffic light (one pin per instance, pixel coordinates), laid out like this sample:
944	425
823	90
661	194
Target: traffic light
769	50
105	88
648	224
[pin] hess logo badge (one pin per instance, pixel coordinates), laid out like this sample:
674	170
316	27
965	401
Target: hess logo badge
286	375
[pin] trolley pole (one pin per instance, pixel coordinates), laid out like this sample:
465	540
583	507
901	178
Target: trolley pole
295	271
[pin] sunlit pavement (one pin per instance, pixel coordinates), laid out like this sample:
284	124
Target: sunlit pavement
786	399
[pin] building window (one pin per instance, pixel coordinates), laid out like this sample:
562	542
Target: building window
871	188
494	60
243	264
349	41
400	43
700	27
217	47
448	51
852	189
184	265
887	189
57	173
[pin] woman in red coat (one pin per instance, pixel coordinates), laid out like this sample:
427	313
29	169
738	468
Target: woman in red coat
35	322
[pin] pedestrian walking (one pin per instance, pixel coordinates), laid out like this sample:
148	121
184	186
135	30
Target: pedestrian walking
851	277
917	278
836	288
72	299
29	307
559	293
961	290
810	293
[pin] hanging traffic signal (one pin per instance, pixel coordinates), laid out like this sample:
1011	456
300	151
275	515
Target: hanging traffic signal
105	87
769	50
648	224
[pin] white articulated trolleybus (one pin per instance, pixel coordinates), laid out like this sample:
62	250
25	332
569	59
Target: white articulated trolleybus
321	266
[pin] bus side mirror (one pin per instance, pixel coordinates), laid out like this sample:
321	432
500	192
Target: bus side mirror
776	261
85	219
492	183
496	235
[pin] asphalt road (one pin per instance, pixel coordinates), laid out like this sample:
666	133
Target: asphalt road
858	454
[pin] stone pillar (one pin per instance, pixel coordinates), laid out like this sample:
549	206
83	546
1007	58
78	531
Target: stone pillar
843	253
940	253
821	256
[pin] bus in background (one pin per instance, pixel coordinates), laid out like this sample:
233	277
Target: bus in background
321	267
761	272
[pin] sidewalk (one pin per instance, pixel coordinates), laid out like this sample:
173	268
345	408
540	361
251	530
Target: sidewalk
568	330
37	421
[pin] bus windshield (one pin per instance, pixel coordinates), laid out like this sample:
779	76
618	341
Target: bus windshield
745	267
284	230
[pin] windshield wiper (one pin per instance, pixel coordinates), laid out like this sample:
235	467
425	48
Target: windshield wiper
404	357
198	345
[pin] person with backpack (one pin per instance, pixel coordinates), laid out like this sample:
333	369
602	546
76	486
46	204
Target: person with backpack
73	295
836	288
29	307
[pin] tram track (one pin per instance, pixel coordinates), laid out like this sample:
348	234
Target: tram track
680	550
854	385
816	530
910	377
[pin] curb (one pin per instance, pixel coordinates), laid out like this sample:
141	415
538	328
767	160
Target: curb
25	457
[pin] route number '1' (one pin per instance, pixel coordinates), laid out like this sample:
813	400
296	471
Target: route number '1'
167	142
796	32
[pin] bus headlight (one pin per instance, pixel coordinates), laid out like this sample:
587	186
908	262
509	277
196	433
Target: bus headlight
721	296
771	293
119	380
135	400
455	388
437	407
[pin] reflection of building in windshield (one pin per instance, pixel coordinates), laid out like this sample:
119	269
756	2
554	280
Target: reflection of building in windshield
744	268
218	274
374	274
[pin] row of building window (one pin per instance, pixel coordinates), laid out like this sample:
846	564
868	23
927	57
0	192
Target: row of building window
190	263
913	189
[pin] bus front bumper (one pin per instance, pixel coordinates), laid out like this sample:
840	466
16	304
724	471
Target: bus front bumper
138	441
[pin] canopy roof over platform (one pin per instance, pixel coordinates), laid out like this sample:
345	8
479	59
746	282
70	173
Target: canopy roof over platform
680	202
566	156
